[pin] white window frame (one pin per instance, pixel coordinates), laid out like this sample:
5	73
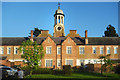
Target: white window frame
58	60
115	50
68	64
83	50
69	49
8	50
95	50
2	50
15	50
47	51
101	52
58	50
46	61
108	48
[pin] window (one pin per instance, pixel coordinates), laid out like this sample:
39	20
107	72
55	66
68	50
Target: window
62	20
8	50
59	19
48	50
56	19
101	50
58	50
69	50
108	50
68	40
2	50
15	50
81	50
69	62
94	50
58	63
115	50
48	40
48	63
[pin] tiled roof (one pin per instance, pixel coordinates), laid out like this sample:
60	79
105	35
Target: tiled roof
104	41
59	40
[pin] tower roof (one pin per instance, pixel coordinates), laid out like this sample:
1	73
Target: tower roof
58	11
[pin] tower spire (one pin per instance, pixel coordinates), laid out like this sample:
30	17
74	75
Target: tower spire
58	5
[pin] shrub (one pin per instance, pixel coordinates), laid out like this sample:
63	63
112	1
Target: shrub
117	69
57	72
42	71
67	69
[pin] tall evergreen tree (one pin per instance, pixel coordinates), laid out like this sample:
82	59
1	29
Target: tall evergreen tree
36	32
110	32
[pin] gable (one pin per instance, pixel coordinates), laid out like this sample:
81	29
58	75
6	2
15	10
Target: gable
68	41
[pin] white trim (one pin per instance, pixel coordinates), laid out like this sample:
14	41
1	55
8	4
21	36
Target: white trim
107	50
8	50
82	47
11	60
117	50
95	49
47	50
67	49
48	59
57	62
68	59
1	49
57	50
15	49
100	50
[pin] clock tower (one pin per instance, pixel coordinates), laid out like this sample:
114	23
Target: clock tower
58	23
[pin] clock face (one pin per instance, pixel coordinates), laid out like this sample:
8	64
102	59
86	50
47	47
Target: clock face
59	28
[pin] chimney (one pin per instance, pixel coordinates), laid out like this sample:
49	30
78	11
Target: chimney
86	38
73	31
31	38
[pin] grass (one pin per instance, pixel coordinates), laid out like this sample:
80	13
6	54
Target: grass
97	76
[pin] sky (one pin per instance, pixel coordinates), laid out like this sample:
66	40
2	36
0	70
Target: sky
18	18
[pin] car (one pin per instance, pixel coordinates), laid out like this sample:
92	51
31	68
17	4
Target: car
4	74
11	71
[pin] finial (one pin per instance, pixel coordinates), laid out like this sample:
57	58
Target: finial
58	5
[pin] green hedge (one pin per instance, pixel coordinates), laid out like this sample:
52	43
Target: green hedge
42	71
67	69
57	72
37	71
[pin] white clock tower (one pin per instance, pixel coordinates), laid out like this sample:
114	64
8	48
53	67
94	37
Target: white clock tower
59	23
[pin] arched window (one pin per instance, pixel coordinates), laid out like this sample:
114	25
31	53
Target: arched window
59	19
62	20
56	19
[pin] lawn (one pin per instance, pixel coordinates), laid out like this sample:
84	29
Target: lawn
76	76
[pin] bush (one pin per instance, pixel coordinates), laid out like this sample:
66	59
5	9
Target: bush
117	69
67	69
26	70
42	71
57	72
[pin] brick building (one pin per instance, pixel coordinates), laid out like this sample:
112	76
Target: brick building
60	49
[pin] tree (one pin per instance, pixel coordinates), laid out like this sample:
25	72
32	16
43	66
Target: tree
110	32
107	62
36	32
32	53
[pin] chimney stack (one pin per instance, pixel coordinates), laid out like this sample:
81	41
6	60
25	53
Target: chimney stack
86	38
85	33
31	38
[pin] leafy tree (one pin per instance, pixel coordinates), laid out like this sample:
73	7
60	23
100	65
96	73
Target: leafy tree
32	53
107	62
110	32
36	32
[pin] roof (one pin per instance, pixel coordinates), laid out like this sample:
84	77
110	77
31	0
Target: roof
59	40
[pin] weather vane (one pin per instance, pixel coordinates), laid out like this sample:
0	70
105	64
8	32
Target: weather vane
58	4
